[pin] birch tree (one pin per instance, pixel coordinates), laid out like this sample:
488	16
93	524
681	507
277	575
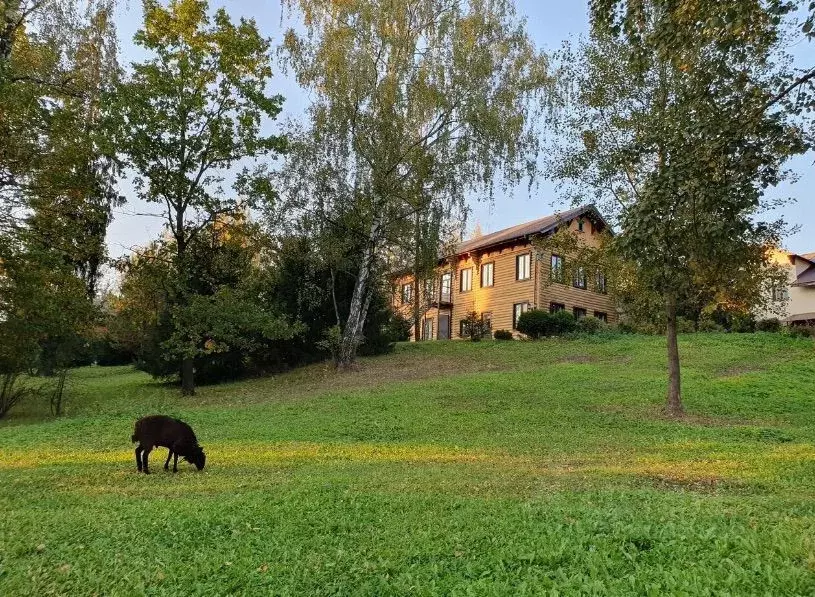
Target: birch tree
415	103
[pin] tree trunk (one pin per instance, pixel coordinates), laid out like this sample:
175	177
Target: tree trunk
187	377
674	399
417	316
360	300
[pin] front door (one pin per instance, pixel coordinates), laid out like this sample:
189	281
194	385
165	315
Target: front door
444	327
427	329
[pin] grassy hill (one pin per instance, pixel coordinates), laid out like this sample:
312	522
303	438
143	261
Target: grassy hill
446	468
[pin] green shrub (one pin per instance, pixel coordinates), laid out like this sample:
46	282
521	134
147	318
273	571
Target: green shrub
589	325
772	324
502	335
743	323
708	325
537	323
685	326
475	327
802	331
534	323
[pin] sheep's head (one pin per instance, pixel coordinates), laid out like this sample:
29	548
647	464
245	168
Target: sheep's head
197	457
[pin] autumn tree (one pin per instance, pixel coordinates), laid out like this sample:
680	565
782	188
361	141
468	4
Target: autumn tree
678	147
415	103
189	113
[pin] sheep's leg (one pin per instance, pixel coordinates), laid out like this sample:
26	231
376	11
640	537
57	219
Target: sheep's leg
138	456
145	456
175	462
167	462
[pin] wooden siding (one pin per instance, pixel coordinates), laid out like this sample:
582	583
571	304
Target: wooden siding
500	298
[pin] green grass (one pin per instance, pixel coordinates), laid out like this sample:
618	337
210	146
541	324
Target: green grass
509	468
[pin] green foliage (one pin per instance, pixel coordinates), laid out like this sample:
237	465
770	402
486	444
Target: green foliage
802	331
502	335
475	327
414	105
589	325
537	323
417	475
771	324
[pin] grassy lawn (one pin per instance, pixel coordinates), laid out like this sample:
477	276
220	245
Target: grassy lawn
443	469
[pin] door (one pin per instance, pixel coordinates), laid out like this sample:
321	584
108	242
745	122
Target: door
444	327
427	329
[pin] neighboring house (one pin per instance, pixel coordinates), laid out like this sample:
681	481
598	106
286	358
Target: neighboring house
799	293
501	275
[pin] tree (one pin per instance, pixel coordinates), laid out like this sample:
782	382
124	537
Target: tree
678	146
416	102
189	113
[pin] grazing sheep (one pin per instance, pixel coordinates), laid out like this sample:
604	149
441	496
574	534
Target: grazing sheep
177	436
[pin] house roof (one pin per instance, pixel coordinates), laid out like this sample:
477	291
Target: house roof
809	256
539	226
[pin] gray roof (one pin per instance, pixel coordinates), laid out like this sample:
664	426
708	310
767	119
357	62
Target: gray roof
807	278
540	226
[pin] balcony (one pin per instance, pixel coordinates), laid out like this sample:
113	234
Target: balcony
442	300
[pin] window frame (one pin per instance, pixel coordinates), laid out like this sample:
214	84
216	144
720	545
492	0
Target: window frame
491	265
515	315
576	311
579	278
555	307
600	282
446	276
601	315
528	258
461	279
407	293
557	274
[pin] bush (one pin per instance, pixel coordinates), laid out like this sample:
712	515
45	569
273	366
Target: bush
708	325
502	335
534	323
685	326
802	331
537	323
475	327
589	325
772	324
743	323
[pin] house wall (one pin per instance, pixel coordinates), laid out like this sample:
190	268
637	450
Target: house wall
801	298
589	299
499	299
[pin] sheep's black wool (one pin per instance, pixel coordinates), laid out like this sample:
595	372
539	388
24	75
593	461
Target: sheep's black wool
167	432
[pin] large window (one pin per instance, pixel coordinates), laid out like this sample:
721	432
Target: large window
517	310
487	274
523	266
579	312
407	293
556	271
466	276
601	316
555	307
429	290
781	294
579	278
601	282
446	287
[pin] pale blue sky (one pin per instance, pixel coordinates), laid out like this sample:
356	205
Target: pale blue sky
549	23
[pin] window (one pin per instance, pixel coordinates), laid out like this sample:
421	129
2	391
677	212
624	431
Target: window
427	329
555	307
523	266
462	328
781	294
556	272
517	310
601	282
579	312
407	293
487	271
429	290
487	317
466	276
601	316
446	287
579	278
580	225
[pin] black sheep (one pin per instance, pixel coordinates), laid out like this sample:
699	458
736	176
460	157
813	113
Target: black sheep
177	436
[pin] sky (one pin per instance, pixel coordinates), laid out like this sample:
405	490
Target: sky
549	23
